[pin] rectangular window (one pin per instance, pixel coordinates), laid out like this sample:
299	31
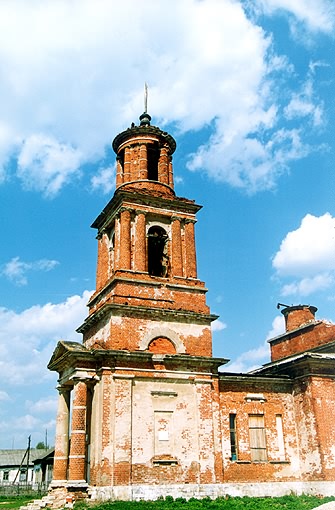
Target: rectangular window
257	438
23	475
280	437
5	476
233	437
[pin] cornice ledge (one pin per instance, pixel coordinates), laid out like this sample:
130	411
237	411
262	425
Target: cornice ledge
127	310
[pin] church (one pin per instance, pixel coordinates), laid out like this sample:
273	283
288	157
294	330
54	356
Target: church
144	409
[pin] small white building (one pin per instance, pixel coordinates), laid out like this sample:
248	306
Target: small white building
16	469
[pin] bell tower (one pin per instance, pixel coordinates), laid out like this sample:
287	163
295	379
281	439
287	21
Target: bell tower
147	290
146	356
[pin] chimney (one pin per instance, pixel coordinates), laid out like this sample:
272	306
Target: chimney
297	316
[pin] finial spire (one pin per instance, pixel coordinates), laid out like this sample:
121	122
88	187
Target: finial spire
145	117
145	97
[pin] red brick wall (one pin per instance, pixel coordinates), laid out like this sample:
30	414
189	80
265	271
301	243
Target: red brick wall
312	336
258	398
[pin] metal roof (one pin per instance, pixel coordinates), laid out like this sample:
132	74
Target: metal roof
13	458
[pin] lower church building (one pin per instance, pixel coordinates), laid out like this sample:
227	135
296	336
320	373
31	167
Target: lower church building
144	408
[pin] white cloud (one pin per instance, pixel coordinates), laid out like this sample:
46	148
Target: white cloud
247	163
27	340
104	180
303	104
218	325
4	395
250	360
16	270
318	15
307	254
46	165
43	405
254	358
278	327
67	87
307	286
308	249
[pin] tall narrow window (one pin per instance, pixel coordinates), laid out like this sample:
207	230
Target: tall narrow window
120	158
153	157
280	437
233	437
257	437
158	260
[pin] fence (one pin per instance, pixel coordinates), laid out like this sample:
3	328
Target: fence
23	489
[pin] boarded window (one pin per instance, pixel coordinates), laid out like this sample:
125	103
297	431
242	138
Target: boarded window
257	437
233	436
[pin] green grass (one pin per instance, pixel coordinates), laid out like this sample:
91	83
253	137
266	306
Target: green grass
285	503
14	501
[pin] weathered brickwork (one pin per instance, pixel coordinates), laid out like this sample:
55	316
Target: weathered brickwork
303	332
144	409
250	396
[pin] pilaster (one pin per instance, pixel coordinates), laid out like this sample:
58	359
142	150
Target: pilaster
123	429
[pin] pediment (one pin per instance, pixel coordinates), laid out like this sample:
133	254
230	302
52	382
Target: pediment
62	349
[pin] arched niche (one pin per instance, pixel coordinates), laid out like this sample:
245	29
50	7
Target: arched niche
161	345
162	332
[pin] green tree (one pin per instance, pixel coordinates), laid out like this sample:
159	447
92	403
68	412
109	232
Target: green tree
41	446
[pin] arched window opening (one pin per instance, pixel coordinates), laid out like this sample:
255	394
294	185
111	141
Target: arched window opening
158	259
111	239
152	158
120	158
161	345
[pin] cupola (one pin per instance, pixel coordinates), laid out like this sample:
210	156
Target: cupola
144	157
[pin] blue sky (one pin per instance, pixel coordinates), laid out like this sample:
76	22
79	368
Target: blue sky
247	90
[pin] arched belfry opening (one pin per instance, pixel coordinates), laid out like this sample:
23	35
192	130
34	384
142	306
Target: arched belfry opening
158	259
153	158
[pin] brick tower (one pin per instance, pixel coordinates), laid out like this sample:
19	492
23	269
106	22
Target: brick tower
138	399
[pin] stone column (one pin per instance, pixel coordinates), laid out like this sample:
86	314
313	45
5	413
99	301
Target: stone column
143	172
62	435
140	242
77	455
163	166
191	261
125	239
177	261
